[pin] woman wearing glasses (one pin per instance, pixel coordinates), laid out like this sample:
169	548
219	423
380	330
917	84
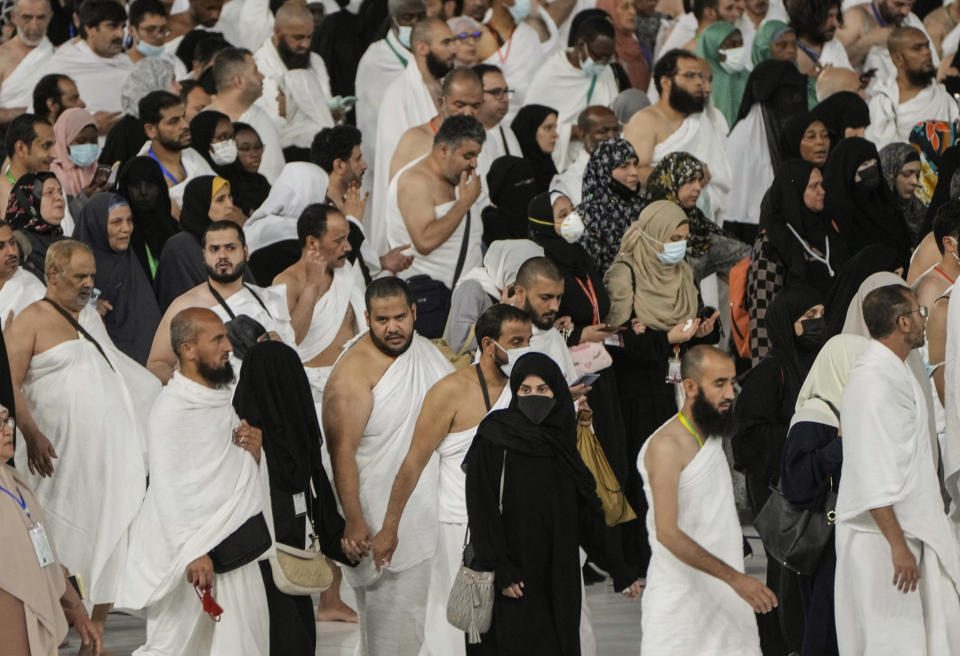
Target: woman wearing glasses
466	35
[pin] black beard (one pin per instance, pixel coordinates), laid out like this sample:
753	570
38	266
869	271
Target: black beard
683	101
896	21
291	59
216	375
169	144
436	66
386	350
542	324
921	78
226	278
713	422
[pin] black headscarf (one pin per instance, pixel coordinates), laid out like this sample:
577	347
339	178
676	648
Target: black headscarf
249	190
863	217
555	437
23	215
569	257
870	260
202	128
511	182
787	306
525	125
135	315
793	131
781	91
842	110
142	183
195	214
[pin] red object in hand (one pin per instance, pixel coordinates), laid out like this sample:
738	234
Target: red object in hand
210	605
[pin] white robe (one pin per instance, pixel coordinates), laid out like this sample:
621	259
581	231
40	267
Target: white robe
380	65
749	147
98	78
300	184
406	103
887	461
500	141
275	318
951	42
520	59
749	31
683	611
878	58
551	343
565	88
834	54
202	488
193	165
950	447
441	263
345	292
703	135
17	293
683	31
94	418
307	94
892	121
570	181
246	23
17	89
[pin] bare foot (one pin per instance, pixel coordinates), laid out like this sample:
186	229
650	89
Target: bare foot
338	612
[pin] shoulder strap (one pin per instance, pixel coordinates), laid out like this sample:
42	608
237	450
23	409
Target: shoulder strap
80	329
483	388
832	407
503	137
463	252
226	307
503	469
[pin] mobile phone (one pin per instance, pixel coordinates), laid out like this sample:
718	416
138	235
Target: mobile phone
102	175
585	379
112	180
706	312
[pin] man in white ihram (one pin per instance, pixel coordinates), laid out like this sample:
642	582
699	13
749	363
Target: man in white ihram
898	563
370	407
208	477
24	57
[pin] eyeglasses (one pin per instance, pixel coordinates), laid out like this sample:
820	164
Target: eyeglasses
500	92
10	423
468	35
692	75
922	310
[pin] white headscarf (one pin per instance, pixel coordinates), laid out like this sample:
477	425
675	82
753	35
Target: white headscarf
501	263
827	377
299	185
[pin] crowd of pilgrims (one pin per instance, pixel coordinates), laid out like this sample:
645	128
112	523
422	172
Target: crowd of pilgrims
737	173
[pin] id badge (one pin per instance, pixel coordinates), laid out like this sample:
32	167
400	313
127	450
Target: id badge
614	340
41	545
673	371
299	504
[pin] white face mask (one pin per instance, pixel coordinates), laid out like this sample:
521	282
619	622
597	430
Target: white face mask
403	35
513	355
735	60
572	228
224	152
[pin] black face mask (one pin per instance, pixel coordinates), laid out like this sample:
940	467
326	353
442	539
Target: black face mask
869	178
535	407
814	333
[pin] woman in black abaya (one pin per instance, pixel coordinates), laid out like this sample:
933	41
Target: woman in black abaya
142	183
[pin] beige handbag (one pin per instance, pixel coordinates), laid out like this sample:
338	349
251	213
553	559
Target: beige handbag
301	572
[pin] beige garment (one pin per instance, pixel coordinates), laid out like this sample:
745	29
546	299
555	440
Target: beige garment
38	588
661	295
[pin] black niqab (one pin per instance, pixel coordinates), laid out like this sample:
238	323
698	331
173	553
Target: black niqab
142	183
788	306
511	182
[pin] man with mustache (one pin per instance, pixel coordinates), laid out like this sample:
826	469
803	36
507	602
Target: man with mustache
80	408
816	23
18	287
224	292
29	141
96	62
896	105
370	407
24	57
687	482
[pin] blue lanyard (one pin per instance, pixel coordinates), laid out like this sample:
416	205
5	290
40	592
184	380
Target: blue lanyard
163	168
876	14
812	54
19	501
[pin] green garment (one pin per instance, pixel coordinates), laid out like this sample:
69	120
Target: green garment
727	87
768	34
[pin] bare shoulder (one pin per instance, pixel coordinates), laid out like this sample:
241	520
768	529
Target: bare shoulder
666	447
455	385
361	366
31	317
289	277
415	175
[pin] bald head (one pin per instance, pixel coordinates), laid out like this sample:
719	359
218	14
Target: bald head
597	123
462	93
397	8
293	12
902	37
835	79
699	360
427	30
187	325
911	54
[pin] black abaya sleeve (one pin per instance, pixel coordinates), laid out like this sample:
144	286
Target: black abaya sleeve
759	440
484	467
595	537
812	454
327	519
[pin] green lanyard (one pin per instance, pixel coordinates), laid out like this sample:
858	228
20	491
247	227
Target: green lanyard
686	424
593	83
10	177
402	59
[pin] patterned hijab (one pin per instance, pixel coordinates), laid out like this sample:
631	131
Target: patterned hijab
893	157
23	208
608	207
674	171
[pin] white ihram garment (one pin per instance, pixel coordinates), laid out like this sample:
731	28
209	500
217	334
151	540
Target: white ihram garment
17	89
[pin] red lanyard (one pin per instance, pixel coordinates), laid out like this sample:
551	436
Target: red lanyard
592	296
509	44
940	271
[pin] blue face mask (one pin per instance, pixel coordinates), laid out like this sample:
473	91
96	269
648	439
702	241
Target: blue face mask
591	68
403	35
84	155
149	50
673	252
520	10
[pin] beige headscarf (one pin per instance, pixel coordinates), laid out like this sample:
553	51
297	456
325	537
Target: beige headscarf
663	295
827	377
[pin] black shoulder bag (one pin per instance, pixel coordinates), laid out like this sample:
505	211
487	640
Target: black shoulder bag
243	331
433	297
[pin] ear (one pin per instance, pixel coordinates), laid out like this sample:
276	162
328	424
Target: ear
366	317
413	310
690	387
150	130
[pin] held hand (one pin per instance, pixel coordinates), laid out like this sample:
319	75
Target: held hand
563	323
634	590
706	325
356	538
395	261
89	632
577	391
354	202
249	439
95	187
637	326
683	331
597	333
468	191
106	120
103	306
514	591
755	593
384	544
906	574
200	572
40	455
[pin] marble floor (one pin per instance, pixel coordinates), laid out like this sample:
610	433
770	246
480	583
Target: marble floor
616	622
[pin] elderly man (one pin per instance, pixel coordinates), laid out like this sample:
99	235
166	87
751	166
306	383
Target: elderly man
239	85
834	80
370	407
696	539
285	60
411	99
594	124
816	23
18	287
96	62
225	257
80	402
452	410
898	104
195	504
24	57
29	142
898	563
